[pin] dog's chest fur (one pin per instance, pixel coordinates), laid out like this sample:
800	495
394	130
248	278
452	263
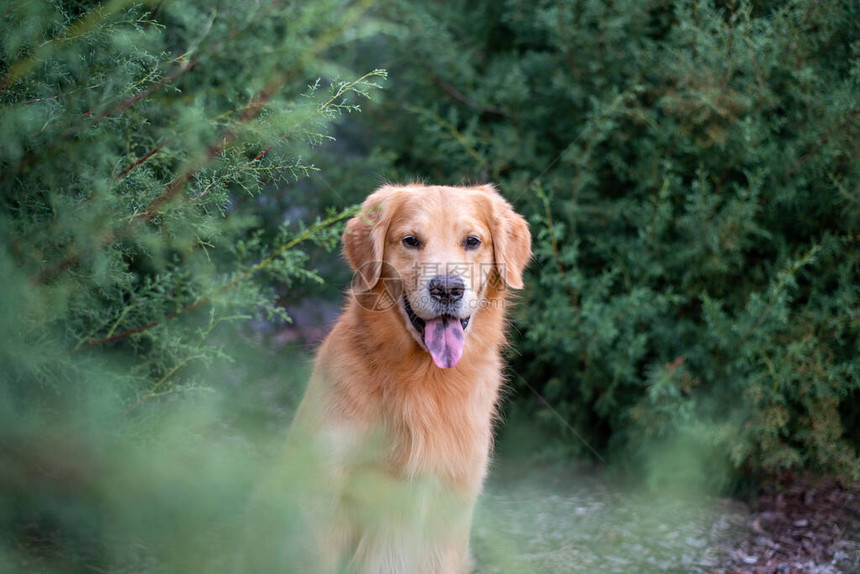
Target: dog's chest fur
444	424
419	421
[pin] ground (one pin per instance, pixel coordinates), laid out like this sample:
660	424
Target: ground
582	524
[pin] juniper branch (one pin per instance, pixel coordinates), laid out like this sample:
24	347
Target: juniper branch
306	234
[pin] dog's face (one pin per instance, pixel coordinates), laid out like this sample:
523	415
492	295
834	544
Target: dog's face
441	254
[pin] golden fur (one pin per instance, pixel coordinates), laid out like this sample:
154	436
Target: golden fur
403	445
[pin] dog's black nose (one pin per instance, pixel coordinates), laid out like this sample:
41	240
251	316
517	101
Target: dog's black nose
446	288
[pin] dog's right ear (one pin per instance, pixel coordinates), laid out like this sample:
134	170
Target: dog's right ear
364	238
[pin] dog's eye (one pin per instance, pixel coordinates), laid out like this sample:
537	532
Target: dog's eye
411	241
472	242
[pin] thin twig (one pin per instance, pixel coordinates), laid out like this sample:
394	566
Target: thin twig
809	154
154	151
460	97
262	264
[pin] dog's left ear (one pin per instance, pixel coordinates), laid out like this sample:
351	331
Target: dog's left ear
512	241
364	238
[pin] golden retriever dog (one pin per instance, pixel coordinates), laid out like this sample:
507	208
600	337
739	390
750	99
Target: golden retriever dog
400	408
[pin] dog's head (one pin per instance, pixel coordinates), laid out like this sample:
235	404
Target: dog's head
440	255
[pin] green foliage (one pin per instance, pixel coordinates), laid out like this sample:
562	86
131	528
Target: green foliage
145	150
690	173
689	169
138	152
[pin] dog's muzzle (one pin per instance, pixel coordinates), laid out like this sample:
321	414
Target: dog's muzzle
444	336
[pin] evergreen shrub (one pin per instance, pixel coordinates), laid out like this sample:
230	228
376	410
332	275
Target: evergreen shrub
690	171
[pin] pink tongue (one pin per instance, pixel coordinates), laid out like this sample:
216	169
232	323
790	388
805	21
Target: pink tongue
444	339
